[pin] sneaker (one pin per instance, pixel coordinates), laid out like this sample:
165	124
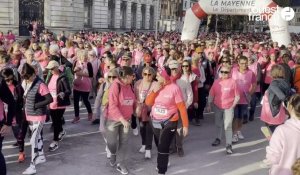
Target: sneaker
266	131
122	169
53	146
216	142
135	131
40	159
62	135
235	138
15	144
240	135
96	121
143	149
265	164
180	152
21	158
80	103
147	154
229	149
197	122
30	170
76	120
108	153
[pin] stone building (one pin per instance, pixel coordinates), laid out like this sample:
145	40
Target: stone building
295	4
170	15
74	15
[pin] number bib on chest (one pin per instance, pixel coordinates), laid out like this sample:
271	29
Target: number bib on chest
128	102
159	110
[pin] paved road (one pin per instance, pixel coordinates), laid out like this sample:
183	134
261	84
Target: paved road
82	152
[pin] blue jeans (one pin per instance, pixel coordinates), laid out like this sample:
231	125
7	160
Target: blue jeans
2	160
255	97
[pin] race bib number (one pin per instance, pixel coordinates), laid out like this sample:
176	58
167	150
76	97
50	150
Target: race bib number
127	102
160	111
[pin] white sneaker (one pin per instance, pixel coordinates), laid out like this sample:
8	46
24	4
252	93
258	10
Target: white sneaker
108	153
30	170
135	131
148	154
143	149
169	164
40	159
53	146
235	138
265	164
62	135
240	135
80	103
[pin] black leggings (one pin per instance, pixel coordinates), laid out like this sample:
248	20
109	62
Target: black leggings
56	116
146	134
201	101
2	160
163	139
85	99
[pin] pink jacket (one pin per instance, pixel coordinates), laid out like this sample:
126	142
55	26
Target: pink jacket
121	100
284	148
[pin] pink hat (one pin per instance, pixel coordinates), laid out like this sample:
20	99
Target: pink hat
163	73
61	43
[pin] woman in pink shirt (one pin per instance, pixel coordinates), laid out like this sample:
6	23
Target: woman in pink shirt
60	90
224	95
82	84
37	97
43	57
166	100
120	108
267	73
284	149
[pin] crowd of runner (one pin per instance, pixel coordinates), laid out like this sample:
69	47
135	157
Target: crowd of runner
155	85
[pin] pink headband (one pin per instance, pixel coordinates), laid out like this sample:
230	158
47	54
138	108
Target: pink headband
164	74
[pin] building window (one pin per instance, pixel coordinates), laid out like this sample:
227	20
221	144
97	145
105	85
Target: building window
123	14
133	15
88	5
111	13
143	22
298	20
152	17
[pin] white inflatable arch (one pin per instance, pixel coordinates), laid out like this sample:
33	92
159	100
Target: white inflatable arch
255	9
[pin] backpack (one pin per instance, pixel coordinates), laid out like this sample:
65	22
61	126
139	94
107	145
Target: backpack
296	79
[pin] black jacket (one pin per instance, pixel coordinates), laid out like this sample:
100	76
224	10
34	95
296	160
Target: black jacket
7	97
278	92
61	60
62	85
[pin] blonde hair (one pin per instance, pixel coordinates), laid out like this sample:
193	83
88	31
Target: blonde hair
294	105
82	55
296	167
277	71
195	58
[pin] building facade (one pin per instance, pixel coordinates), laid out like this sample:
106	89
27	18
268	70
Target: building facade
74	15
170	15
295	4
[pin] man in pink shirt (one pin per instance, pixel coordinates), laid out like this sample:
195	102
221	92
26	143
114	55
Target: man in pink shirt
246	82
224	95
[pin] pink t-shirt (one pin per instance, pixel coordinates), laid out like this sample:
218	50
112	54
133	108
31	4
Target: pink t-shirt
137	57
52	88
165	104
82	83
224	92
244	82
43	90
253	67
160	62
268	78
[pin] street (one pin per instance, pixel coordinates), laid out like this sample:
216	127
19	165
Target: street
82	152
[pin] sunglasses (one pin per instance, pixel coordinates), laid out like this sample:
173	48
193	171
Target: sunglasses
173	69
185	66
225	61
125	59
113	77
224	72
8	79
145	74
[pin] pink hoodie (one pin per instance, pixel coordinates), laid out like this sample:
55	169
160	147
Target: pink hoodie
121	101
284	148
